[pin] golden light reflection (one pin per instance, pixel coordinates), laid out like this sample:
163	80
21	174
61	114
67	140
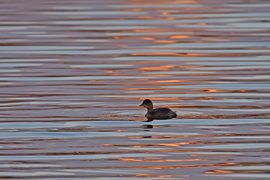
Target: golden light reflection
202	24
152	158
179	37
182	166
145	17
170	18
172	144
160	68
164	41
218	171
164	99
109	72
212	90
175	144
113	130
235	171
135	10
148	175
167	160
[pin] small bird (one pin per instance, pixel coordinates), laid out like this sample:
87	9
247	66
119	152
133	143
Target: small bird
158	113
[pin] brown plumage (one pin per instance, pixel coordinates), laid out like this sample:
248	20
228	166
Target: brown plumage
158	113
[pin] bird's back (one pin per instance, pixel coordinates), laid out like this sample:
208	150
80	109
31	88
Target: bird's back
163	113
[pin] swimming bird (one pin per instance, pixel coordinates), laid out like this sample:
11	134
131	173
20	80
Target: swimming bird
158	113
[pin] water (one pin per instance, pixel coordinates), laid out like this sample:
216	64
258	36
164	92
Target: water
73	73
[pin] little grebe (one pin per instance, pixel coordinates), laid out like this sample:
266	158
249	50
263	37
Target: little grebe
158	113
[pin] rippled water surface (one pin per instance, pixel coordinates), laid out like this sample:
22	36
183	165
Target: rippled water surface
73	74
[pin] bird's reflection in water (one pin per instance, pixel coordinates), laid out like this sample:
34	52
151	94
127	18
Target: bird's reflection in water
147	127
147	137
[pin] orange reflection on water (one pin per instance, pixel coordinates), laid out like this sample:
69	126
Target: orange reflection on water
212	90
235	171
158	54
166	160
171	54
161	68
218	171
145	17
150	175
219	155
174	144
179	37
182	166
164	41
169	81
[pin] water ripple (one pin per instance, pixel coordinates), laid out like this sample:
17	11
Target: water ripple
73	74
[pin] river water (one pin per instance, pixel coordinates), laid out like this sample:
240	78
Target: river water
73	74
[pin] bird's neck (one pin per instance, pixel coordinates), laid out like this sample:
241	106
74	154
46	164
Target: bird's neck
150	109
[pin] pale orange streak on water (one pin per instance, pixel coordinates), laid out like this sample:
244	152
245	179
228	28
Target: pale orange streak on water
184	166
158	54
166	160
160	68
162	176
175	144
146	17
164	41
179	37
219	171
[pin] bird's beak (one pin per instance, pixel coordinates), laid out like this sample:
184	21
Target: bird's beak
141	105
